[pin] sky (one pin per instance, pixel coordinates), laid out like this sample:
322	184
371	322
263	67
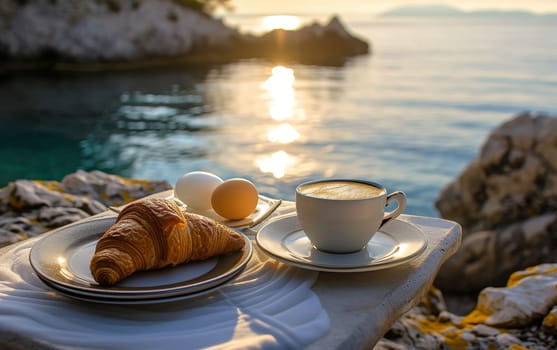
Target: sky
378	6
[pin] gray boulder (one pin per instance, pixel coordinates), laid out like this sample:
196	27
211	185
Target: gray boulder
514	177
506	202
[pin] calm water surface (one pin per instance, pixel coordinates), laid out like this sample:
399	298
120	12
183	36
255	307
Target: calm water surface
410	116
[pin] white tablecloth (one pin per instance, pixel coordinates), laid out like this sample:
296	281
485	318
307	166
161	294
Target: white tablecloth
269	306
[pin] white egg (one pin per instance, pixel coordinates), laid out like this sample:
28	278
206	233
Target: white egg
195	189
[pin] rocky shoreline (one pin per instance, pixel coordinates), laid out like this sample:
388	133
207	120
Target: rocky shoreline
506	202
31	207
126	34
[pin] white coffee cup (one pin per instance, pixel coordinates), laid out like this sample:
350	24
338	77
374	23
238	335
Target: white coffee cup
342	215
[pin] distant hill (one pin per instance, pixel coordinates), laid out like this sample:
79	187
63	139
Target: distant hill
424	10
446	11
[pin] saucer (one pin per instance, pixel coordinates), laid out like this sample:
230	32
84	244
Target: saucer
397	242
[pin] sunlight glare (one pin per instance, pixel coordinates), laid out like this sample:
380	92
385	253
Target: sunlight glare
284	133
275	164
269	23
61	261
280	86
281	79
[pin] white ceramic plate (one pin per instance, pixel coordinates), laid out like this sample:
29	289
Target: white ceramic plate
397	243
68	292
62	257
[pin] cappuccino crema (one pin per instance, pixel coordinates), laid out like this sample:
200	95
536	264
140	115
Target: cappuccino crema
342	190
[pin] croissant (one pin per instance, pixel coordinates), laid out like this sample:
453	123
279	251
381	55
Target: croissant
154	233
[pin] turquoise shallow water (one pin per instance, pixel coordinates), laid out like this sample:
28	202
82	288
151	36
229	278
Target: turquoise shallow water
410	116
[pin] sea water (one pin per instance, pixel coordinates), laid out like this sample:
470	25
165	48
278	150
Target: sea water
410	116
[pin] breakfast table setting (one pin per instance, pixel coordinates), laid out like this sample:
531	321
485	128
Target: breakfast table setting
283	289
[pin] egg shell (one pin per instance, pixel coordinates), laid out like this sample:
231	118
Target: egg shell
195	189
235	198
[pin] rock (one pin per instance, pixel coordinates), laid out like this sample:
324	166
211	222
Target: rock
506	202
513	179
385	344
29	208
528	297
328	44
109	189
506	340
487	258
550	321
146	31
26	195
105	30
504	318
56	217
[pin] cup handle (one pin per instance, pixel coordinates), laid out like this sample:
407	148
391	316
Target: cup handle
398	196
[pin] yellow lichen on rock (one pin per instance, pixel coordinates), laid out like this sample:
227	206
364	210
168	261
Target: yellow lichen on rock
518	347
126	197
50	185
452	336
129	181
455	341
475	317
550	321
16	202
518	276
433	326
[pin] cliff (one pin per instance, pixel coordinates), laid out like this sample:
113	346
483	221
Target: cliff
67	34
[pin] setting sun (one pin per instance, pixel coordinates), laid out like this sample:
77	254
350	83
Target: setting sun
280	22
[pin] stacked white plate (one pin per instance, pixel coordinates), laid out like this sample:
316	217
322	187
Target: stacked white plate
61	259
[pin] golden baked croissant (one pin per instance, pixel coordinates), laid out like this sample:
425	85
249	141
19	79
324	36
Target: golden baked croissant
154	233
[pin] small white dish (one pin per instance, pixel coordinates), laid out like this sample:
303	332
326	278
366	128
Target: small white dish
398	242
265	207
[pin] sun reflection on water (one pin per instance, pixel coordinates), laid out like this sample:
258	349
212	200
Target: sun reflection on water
284	133
280	86
276	163
282	107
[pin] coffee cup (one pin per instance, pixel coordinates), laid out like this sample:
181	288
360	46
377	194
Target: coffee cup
342	215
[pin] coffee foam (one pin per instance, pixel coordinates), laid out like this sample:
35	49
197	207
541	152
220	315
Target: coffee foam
341	190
